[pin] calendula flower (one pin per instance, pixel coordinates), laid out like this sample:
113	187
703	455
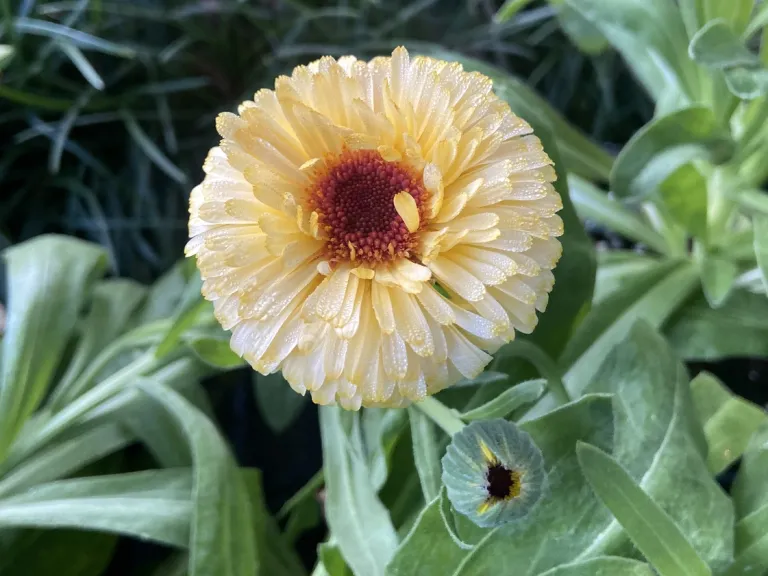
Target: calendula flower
375	229
493	472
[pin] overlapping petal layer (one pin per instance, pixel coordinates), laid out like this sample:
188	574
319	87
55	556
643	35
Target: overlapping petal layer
375	229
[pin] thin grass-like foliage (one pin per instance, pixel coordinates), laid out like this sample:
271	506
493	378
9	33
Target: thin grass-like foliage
107	106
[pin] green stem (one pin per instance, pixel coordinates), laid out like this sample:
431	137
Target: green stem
441	415
309	489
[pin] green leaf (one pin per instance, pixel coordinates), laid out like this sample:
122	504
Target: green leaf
222	539
653	532
738	328
749	490
6	55
652	297
154	427
581	31
717	277
215	352
759	21
153	505
580	155
189	308
81	39
665	144
276	557
426	453
692	12
651	37
303	517
112	308
750	495
760	226
307	492
602	566
48	280
666	458
508	401
509	9
735	13
684	193
380	428
427	547
175	565
55	552
355	515
63	458
151	150
545	538
617	269
595	204
753	201
82	64
167	292
728	420
716	46
332	560
278	403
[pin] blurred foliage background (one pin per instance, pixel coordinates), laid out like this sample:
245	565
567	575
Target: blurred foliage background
107	107
107	110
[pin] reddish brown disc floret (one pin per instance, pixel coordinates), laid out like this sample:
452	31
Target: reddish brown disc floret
354	200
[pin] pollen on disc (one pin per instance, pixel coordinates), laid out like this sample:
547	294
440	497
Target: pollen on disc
354	199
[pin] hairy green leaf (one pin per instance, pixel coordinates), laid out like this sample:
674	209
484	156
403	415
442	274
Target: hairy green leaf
665	144
729	421
653	532
154	505
49	279
355	515
222	538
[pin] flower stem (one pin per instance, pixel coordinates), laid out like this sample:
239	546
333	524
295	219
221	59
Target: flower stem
441	415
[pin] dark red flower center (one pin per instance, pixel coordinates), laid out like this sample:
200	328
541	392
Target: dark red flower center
354	199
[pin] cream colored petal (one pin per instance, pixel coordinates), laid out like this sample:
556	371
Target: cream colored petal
433	182
349	329
332	296
411	324
436	306
412	271
382	307
335	356
467	358
522	316
457	279
519	290
317	134
480	254
347	308
400	74
475	324
394	356
406	207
